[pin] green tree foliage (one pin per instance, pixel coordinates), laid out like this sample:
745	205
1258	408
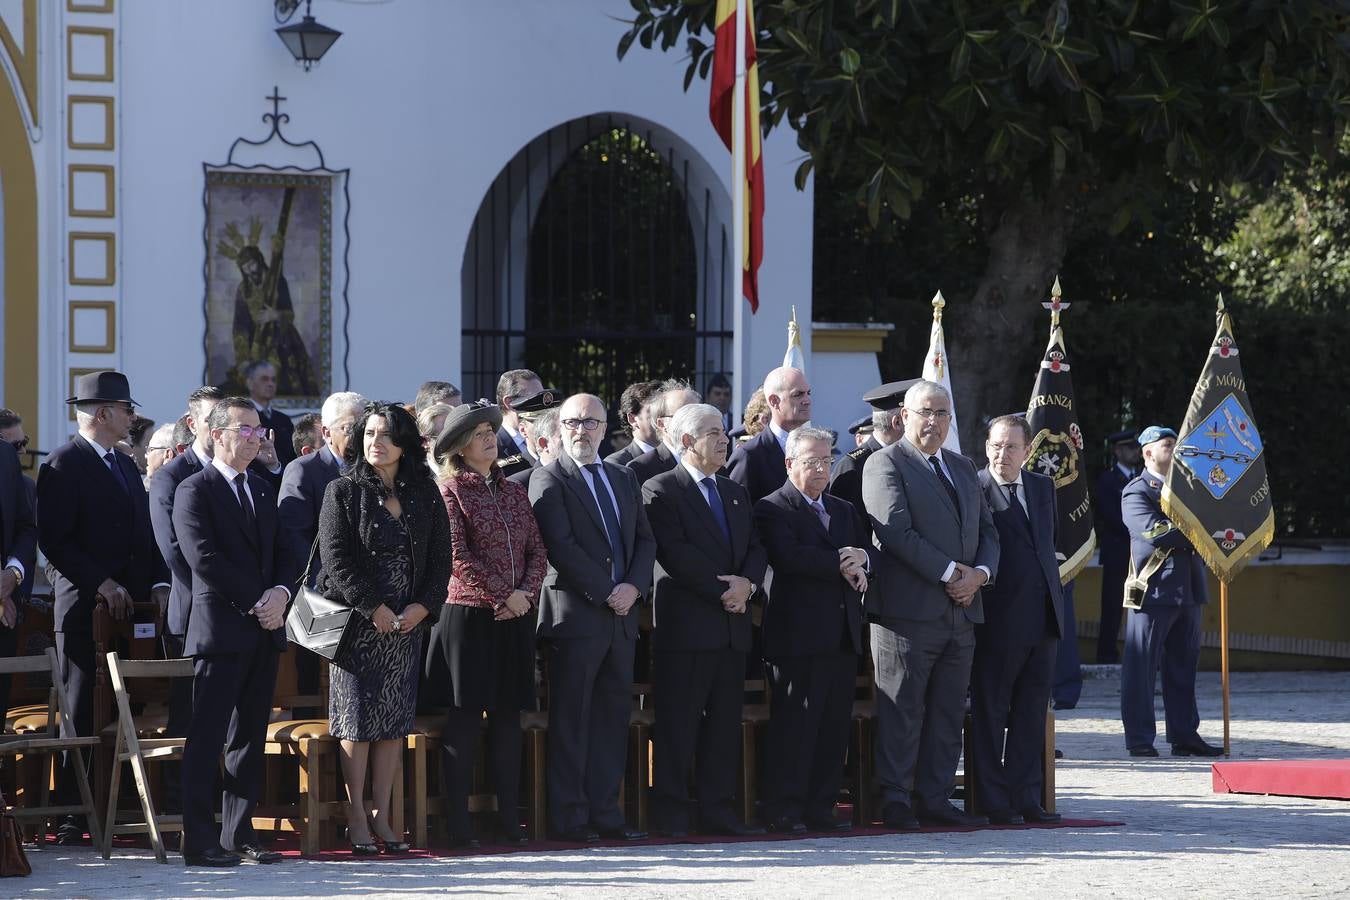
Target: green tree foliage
1030	121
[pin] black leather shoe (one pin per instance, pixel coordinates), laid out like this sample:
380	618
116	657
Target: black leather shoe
1146	750
216	856
899	815
577	834
1196	748
394	848
70	832
258	853
787	825
952	817
1039	816
733	829
621	833
1004	817
371	849
1059	754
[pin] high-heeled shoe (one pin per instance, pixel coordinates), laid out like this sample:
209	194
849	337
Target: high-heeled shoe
394	848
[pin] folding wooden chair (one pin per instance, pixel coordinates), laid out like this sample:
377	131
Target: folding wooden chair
754	719
638	777
47	741
1048	762
133	746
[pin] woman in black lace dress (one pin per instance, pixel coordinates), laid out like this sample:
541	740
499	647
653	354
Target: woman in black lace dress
384	540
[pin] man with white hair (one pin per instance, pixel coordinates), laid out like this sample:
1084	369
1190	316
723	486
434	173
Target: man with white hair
306	477
160	450
709	564
758	463
674	396
939	546
544	444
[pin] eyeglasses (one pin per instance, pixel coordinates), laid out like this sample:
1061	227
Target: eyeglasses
935	415
814	462
1015	448
20	445
588	424
250	431
158	449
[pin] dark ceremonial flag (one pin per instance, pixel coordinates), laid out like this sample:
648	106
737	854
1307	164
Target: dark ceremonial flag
1216	491
1057	448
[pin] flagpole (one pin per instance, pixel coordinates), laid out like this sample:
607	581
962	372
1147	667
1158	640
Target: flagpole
1223	660
740	322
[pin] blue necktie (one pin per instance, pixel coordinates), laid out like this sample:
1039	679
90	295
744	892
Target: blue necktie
111	460
715	501
611	520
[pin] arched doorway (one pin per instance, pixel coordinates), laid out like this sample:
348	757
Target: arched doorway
597	258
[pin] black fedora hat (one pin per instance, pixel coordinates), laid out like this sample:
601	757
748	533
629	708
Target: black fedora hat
102	387
462	418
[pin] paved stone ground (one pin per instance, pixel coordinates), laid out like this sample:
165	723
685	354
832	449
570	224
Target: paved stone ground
1181	839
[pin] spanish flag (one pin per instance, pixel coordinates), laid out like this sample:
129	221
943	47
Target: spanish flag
751	184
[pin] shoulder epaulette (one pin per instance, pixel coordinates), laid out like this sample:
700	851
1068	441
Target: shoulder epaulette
859	453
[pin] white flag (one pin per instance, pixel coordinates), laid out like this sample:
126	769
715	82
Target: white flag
793	358
937	367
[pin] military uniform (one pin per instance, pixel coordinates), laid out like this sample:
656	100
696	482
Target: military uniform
846	476
527	408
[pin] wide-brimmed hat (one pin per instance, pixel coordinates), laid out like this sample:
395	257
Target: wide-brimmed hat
465	417
102	387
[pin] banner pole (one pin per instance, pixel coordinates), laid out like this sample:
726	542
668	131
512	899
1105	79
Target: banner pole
1223	661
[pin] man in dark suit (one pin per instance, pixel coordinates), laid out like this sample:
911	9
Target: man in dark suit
1113	539
600	558
758	464
242	564
1015	646
717	392
93	520
261	380
939	547
514	385
639	413
813	631
18	551
709	564
674	396
1164	633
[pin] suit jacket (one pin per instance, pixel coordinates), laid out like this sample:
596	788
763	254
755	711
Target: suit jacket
301	497
1028	572
691	552
653	463
1112	535
811	608
915	524
163	484
523	476
90	529
18	529
626	455
758	465
283	436
1182	578
232	564
506	446
580	579
846	476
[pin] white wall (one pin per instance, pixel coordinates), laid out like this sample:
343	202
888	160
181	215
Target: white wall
425	101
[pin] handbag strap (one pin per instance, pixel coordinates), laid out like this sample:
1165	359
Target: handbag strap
313	551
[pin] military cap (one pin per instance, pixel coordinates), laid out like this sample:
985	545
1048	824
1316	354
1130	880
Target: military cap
1155	433
889	395
1122	437
537	403
861	426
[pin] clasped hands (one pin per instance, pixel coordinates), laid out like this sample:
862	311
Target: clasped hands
515	606
736	598
853	566
622	598
386	622
965	581
270	610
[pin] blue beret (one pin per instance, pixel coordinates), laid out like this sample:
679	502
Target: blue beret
1155	433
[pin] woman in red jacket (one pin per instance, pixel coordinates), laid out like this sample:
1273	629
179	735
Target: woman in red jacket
482	654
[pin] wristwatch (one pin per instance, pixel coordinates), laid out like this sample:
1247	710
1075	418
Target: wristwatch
18	573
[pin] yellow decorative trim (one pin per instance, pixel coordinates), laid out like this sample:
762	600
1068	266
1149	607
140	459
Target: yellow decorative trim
20	249
1224	566
109	309
1069	569
25	63
109	131
70	385
89	6
109	241
104	74
847	340
109	208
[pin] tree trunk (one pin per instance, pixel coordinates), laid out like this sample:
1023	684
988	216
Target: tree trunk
1026	249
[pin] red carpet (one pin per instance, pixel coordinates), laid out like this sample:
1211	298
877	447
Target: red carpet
1318	778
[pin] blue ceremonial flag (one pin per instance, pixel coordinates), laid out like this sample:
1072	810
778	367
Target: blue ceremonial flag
1217	492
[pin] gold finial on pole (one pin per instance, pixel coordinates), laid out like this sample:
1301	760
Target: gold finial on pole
1055	304
938	304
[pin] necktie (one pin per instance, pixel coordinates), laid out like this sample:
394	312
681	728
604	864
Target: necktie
1016	506
946	483
111	460
821	514
715	501
245	502
611	520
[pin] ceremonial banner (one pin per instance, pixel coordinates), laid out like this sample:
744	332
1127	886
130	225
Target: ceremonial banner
1057	448
1216	491
720	110
936	368
793	358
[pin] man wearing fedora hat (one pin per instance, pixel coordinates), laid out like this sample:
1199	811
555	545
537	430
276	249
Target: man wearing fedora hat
93	519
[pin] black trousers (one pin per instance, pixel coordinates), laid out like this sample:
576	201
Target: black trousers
1010	692
75	653
232	699
698	695
9	646
808	733
459	745
589	703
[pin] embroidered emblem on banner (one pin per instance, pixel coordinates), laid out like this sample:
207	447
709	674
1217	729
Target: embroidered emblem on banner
1221	450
